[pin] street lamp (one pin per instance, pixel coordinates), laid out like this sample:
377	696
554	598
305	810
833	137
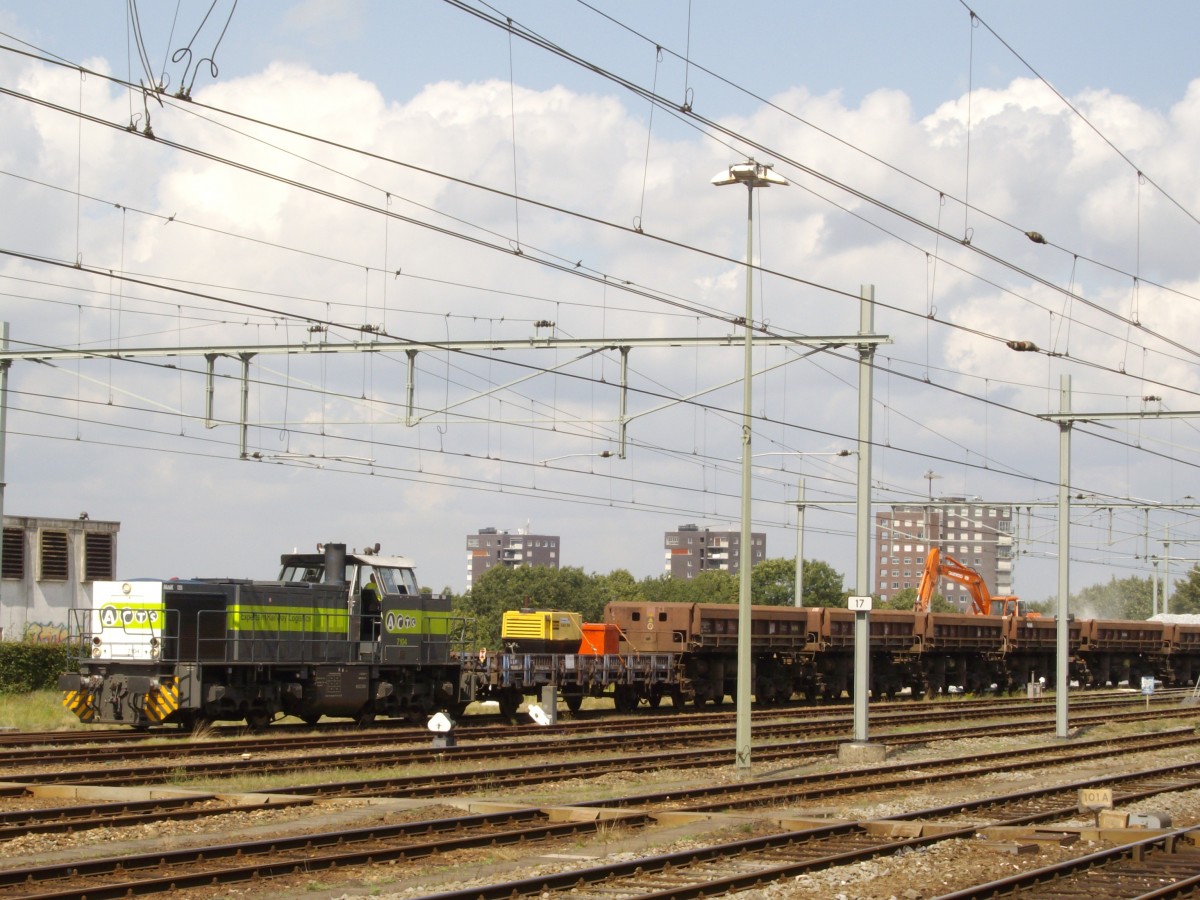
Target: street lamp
752	174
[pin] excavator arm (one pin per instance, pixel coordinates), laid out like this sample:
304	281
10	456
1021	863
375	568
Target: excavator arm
982	603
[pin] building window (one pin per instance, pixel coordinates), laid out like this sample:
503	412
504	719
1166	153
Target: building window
97	556
672	540
54	556
14	553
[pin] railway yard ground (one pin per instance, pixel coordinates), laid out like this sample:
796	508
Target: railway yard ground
972	790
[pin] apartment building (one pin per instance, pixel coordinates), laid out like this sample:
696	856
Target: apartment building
976	533
493	547
691	550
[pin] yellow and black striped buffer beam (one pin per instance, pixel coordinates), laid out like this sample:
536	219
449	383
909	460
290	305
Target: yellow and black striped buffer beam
162	700
80	703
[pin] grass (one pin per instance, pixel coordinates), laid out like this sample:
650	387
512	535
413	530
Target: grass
38	711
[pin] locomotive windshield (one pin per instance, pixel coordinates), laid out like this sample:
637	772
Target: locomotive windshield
390	579
396	580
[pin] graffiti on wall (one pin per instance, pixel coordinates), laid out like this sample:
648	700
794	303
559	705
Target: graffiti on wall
45	633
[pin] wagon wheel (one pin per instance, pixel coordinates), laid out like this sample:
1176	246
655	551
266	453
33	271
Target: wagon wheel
310	719
258	720
573	701
508	701
364	718
624	699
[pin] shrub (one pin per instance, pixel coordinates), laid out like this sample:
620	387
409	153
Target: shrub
26	666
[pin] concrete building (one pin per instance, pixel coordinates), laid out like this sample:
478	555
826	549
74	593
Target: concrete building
976	533
491	547
47	567
691	550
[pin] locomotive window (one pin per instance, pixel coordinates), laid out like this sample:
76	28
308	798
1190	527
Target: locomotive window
636	617
662	616
396	580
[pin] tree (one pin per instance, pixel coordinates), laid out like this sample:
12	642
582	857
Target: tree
907	599
1126	598
1186	597
823	584
665	589
501	588
714	586
773	583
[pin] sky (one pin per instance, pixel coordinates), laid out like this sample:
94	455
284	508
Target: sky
344	173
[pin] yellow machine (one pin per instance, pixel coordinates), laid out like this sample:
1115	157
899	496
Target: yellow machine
541	631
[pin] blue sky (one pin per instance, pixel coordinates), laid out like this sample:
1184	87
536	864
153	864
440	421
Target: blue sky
427	84
921	48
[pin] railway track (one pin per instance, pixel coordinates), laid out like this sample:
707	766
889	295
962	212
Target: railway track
685	749
699	871
340	733
260	754
1166	865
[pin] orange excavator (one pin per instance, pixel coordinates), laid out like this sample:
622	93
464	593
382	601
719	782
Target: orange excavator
982	603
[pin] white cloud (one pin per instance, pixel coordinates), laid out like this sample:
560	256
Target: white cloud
1032	165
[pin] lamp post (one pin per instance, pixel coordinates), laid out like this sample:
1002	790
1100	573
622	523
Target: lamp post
752	174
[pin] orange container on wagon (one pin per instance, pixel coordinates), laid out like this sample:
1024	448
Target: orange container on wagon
600	639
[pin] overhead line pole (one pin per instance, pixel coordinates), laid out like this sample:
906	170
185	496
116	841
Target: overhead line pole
1064	418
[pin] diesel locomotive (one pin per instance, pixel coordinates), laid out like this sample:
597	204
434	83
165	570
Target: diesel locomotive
339	634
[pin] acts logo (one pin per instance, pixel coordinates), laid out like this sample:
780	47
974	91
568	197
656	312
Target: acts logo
398	621
129	618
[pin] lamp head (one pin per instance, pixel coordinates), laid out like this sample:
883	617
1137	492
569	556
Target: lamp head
752	174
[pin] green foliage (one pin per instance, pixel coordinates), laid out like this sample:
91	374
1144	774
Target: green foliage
1125	598
26	666
665	589
714	586
773	583
907	599
1185	597
502	588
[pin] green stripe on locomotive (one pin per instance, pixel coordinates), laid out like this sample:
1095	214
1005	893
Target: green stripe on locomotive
242	618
